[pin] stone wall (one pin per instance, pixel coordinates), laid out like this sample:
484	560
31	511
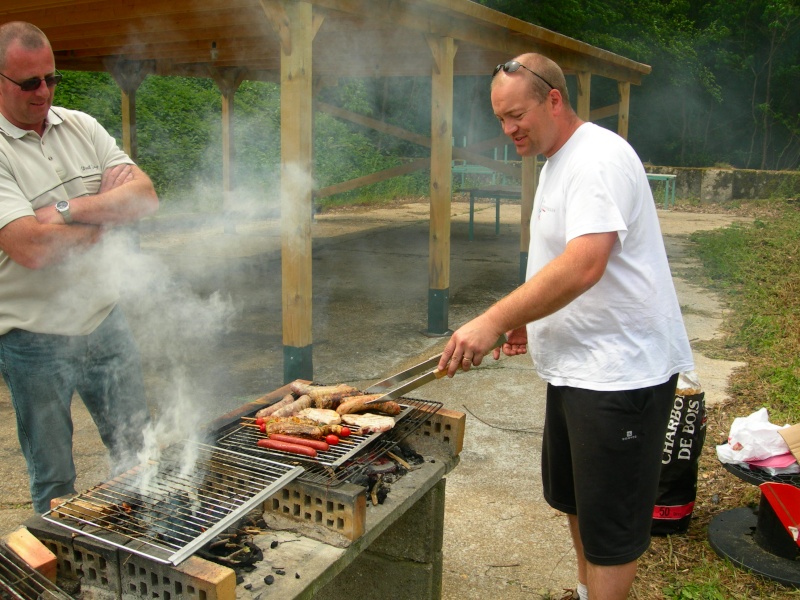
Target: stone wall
728	185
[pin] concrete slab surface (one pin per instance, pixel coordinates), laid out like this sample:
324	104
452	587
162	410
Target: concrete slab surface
206	308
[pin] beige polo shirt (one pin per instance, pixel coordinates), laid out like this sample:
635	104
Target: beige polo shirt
73	297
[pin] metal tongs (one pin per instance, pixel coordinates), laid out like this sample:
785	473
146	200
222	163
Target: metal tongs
422	373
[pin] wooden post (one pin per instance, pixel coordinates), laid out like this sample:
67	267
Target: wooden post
129	76
443	50
293	21
624	88
530	181
228	81
583	107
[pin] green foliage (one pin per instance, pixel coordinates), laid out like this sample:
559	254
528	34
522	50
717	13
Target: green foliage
707	591
723	80
755	266
94	93
180	146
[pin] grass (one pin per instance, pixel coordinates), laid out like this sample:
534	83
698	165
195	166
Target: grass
755	270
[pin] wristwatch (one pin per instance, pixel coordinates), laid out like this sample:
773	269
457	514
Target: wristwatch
62	206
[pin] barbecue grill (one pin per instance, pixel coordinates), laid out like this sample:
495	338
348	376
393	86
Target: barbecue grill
18	581
155	530
165	511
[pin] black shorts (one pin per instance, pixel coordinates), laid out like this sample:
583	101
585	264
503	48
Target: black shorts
601	461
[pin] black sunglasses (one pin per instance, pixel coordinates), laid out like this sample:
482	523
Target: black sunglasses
514	65
32	84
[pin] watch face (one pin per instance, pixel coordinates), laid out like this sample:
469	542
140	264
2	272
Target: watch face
62	205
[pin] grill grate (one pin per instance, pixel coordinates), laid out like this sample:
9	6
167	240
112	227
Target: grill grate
170	507
350	457
18	581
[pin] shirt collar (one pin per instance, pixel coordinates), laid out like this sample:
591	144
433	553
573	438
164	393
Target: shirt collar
14	132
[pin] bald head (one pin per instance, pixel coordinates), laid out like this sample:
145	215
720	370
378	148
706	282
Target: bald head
546	71
28	36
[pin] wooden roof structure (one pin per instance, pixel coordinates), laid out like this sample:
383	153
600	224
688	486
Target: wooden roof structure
303	44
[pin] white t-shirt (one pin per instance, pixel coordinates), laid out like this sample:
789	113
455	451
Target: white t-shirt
74	296
626	332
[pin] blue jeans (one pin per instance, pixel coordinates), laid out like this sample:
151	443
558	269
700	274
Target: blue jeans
43	371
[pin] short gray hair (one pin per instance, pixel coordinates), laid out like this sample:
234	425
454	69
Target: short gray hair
28	35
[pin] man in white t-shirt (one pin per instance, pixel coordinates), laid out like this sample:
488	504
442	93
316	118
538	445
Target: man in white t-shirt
63	183
601	316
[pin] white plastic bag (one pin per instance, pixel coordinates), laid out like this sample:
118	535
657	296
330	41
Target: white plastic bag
752	438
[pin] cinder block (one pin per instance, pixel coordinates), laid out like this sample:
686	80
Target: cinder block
104	572
92	563
333	515
193	579
441	433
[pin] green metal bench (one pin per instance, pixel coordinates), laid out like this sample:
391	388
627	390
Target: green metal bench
669	186
498	192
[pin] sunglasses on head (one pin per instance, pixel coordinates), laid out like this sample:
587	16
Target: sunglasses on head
32	84
514	65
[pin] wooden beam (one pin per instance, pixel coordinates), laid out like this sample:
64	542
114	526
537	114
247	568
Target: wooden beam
129	76
296	186
228	81
611	110
624	108
443	50
583	107
378	176
375	124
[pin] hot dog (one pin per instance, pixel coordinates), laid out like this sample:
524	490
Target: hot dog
316	444
286	447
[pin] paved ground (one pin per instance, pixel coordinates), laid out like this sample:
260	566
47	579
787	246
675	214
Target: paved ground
205	306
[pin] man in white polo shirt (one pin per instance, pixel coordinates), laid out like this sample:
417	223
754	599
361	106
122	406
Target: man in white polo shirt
63	183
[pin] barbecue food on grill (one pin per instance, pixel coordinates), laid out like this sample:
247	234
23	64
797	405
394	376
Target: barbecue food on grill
318	445
299	429
269	410
324	396
359	404
323	416
293	407
369	423
286	447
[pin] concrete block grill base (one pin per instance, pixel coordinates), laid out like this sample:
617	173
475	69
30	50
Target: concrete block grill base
336	539
104	572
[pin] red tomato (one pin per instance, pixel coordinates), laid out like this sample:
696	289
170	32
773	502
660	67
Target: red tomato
262	428
332	439
345	432
260	421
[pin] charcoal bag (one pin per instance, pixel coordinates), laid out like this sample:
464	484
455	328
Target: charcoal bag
686	433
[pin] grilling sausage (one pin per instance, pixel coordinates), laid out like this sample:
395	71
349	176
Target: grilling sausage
359	404
315	444
324	396
269	410
294	407
286	447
